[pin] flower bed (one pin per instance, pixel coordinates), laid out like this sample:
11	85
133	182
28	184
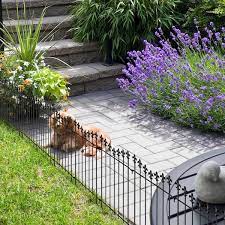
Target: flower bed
182	78
24	77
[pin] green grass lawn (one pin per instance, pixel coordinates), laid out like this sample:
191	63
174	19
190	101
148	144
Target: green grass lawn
33	191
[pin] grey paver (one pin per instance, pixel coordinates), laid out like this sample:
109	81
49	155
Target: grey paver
161	156
121	141
162	147
135	149
178	160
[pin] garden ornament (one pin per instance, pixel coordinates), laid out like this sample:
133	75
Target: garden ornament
210	183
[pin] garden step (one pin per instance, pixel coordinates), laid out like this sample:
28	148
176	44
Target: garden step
57	26
91	77
71	52
35	8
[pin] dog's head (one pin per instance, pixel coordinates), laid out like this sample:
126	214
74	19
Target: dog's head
61	122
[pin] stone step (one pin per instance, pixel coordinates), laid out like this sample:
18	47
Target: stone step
57	26
91	77
34	8
71	52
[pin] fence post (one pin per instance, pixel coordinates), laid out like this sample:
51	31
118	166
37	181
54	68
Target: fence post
1	26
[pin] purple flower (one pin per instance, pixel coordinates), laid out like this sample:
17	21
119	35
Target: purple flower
210	101
188	85
203	87
221	97
216	126
218	36
133	103
210	119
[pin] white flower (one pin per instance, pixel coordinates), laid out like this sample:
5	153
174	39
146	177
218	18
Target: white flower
43	63
26	63
19	68
21	77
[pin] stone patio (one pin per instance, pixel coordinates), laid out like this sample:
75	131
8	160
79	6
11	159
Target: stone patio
160	144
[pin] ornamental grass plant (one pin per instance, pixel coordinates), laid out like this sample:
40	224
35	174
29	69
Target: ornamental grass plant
182	78
123	22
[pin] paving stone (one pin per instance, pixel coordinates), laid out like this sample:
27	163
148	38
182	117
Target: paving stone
178	160
143	219
103	96
136	149
185	152
115	190
161	166
121	141
121	133
112	115
161	156
161	147
116	92
136	211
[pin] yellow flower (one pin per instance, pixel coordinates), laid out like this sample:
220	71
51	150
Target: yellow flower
21	88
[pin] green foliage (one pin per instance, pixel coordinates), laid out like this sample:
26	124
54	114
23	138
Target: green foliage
124	22
50	84
34	192
206	11
29	80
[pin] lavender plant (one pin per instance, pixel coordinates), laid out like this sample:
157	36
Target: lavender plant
185	83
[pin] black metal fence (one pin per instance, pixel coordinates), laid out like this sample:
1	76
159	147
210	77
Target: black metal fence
117	178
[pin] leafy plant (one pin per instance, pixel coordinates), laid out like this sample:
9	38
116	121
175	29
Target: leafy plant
42	83
48	83
206	11
125	23
185	84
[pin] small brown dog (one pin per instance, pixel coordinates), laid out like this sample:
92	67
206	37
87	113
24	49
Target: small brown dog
63	134
66	135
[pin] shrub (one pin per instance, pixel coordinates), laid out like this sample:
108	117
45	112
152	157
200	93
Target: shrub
124	22
206	11
42	82
185	84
